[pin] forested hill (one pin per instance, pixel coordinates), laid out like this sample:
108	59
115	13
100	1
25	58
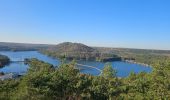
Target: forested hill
8	46
78	51
71	51
72	47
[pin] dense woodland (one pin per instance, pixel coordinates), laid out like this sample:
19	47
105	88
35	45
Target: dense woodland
79	51
138	55
44	82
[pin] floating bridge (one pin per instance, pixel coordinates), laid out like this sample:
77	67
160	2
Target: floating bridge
90	67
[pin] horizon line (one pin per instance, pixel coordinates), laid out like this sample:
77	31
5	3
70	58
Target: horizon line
84	44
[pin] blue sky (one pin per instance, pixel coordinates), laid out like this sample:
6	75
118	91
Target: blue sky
108	23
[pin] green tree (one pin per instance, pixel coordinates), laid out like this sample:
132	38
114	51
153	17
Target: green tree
108	71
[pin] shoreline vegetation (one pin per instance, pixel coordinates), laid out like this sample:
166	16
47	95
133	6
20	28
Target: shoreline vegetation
133	62
99	59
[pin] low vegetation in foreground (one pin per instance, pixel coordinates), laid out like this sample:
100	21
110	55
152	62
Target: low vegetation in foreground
44	82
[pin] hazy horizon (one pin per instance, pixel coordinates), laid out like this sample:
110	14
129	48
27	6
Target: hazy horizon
84	44
142	24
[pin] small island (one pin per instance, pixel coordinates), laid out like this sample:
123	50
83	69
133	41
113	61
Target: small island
4	60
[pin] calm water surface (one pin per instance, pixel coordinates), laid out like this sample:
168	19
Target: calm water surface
123	69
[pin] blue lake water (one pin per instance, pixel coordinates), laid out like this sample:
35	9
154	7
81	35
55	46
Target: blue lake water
123	69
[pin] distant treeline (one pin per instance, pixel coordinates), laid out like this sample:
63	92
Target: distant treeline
5	46
139	55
